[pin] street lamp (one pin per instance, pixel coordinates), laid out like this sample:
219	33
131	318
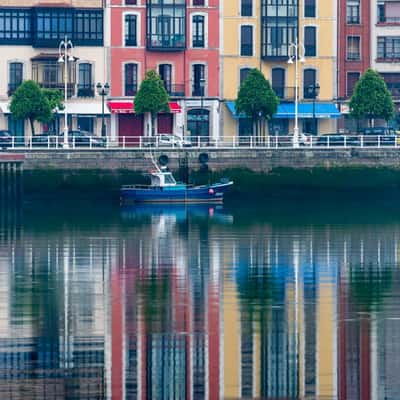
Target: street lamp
296	53
202	83
65	55
313	91
103	91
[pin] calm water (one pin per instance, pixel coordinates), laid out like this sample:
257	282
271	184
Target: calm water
272	301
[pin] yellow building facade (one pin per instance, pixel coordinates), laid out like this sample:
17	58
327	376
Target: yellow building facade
259	35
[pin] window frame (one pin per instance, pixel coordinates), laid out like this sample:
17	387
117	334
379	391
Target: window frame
136	16
193	28
135	85
251	42
310	48
12	86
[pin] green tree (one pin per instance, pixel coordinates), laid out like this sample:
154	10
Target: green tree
29	102
371	98
55	98
256	99
151	97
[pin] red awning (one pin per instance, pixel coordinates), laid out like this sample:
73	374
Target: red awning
126	107
120	107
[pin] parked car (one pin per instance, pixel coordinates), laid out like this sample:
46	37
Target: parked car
46	139
81	138
165	139
5	138
337	139
379	135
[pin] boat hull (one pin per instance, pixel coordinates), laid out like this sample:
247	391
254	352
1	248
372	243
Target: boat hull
209	194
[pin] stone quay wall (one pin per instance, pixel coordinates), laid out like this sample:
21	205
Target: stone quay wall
256	160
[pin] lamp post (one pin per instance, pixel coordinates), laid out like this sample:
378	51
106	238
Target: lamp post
65	55
313	91
103	91
296	53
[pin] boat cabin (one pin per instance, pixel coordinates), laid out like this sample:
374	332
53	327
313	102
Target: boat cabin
162	179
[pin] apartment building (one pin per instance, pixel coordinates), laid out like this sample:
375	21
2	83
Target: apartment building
261	34
30	36
180	40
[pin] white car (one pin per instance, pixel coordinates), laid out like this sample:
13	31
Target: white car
165	139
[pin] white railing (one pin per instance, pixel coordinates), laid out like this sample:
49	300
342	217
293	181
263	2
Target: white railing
227	142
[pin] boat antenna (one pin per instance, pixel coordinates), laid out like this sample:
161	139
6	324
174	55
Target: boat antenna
154	162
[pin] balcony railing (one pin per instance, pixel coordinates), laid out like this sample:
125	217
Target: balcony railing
177	90
59	86
389	20
166	42
353	56
285	92
130	90
85	90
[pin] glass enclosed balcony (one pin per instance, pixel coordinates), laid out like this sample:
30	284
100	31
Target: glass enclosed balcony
166	25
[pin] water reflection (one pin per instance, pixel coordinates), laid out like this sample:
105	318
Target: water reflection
198	302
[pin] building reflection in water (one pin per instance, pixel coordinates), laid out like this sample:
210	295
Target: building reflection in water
185	303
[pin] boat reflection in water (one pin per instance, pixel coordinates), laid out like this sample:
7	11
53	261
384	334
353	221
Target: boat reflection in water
181	212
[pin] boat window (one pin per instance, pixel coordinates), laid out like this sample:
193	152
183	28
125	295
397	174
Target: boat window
169	179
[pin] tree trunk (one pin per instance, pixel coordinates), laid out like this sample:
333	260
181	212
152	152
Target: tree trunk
153	124
31	122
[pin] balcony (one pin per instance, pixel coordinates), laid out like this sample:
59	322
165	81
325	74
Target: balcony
285	93
59	86
177	90
353	56
166	43
130	89
85	90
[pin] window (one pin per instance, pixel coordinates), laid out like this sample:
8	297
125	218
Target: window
279	27
88	27
278	82
166	24
353	48
246	40
310	41
165	72
130	30
131	79
388	47
85	123
198	25
353	11
309	9
352	78
131	2
310	126
392	81
15	26
309	79
243	74
198	123
85	83
198	2
15	77
198	78
46	27
247	8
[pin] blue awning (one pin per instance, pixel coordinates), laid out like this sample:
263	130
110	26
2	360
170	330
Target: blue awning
305	110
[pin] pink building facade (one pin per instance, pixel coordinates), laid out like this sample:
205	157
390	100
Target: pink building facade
180	40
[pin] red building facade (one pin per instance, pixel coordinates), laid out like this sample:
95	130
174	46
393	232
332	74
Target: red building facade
180	40
354	48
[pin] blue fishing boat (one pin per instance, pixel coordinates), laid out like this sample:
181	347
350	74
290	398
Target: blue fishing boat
164	189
